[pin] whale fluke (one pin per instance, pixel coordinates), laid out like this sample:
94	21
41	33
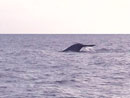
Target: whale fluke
76	47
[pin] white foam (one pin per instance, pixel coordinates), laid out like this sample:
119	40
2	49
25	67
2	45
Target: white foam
89	49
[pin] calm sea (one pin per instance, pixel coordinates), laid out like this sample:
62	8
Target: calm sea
31	66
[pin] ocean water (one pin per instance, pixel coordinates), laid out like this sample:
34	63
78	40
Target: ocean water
31	66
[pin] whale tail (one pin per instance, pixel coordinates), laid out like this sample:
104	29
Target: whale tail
76	47
89	45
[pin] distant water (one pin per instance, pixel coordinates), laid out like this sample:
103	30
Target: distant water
31	66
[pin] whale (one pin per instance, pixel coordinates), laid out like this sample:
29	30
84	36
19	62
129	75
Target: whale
76	47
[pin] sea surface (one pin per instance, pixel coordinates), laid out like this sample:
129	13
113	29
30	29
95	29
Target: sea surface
32	66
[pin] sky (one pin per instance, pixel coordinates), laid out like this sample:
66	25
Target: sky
64	16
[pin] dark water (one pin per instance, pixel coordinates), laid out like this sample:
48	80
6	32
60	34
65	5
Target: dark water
32	67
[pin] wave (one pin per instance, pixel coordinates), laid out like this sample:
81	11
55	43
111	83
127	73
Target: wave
104	50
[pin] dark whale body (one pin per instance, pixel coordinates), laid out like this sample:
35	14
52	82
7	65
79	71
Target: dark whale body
76	47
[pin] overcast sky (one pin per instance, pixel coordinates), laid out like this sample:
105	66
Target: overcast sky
64	16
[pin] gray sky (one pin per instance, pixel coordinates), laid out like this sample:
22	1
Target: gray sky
64	16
